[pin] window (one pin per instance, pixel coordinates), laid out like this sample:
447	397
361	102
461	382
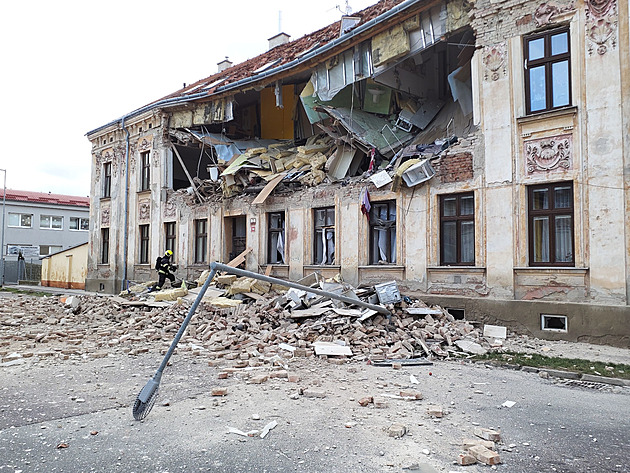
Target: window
79	223
324	244
550	227
547	71
383	233
45	250
144	244
51	221
169	236
201	240
146	171
107	180
20	220
457	229
104	245
276	238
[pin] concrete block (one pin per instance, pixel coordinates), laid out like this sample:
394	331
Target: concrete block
604	379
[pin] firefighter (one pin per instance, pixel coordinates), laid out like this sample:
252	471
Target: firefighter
164	268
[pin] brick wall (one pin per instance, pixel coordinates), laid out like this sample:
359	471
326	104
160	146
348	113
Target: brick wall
454	167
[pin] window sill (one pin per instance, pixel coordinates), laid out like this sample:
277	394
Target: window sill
385	267
572	110
546	269
106	198
322	266
144	191
468	269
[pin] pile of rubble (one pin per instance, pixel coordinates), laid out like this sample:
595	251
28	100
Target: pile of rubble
250	326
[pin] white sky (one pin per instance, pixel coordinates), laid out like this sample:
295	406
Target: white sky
70	66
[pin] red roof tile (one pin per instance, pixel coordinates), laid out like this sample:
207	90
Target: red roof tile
47	198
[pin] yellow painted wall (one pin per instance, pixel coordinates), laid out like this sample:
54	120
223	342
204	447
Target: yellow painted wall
277	123
66	269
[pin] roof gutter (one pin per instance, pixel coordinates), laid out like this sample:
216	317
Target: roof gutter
327	47
316	52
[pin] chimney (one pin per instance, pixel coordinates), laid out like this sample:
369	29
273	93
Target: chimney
277	40
225	64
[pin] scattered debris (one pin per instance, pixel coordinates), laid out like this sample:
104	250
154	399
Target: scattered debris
397	430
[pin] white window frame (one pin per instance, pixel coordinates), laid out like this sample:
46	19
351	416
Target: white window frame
50	226
79	229
20	215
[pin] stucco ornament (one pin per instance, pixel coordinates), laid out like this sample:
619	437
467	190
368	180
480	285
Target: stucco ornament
601	25
144	145
170	209
548	154
98	161
144	212
545	13
156	158
494	60
105	217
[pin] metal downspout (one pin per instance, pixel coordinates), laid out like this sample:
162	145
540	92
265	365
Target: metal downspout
125	242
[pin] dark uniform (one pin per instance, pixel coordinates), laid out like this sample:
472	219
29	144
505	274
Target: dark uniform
164	268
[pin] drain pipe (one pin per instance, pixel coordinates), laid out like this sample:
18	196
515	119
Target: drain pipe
125	242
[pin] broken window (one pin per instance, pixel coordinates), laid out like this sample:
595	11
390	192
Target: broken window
104	246
547	71
20	220
237	227
551	224
201	240
276	238
169	236
145	175
79	223
457	235
190	162
383	233
144	244
107	180
51	222
324	237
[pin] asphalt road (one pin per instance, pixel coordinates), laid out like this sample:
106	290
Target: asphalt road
75	416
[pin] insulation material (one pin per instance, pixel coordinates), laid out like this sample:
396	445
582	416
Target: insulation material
389	45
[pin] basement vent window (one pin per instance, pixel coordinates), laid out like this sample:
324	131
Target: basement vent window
554	323
458	314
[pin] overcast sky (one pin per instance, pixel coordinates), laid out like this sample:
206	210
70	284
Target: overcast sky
71	66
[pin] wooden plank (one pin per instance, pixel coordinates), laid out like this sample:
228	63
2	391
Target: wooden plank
271	185
327	348
268	270
312	312
239	259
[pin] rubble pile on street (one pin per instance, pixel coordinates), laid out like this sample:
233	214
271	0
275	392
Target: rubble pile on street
246	329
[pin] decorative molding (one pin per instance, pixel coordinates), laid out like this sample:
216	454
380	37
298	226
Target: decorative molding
144	145
144	210
495	60
156	158
601	25
548	154
170	210
105	217
546	12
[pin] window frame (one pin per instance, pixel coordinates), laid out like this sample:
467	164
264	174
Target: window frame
104	254
50	225
318	229
145	233
145	171
272	235
552	213
107	180
548	60
80	220
21	215
170	238
390	236
458	218
200	247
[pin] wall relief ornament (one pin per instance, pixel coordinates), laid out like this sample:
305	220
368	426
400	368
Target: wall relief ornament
105	217
547	154
170	210
156	158
546	11
144	212
98	161
494	60
601	25
144	145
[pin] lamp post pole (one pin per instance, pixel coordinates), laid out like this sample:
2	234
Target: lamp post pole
4	202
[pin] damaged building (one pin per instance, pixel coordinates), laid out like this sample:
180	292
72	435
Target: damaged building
474	152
